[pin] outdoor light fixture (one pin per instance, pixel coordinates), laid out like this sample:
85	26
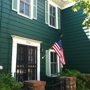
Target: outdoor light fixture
1	67
41	49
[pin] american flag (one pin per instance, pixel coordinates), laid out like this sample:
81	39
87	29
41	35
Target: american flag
57	46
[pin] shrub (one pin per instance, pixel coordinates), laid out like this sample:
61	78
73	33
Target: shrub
81	79
7	82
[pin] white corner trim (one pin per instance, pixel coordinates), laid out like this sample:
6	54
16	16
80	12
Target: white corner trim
25	41
1	67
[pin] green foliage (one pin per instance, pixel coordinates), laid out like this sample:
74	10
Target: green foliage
81	79
85	6
7	82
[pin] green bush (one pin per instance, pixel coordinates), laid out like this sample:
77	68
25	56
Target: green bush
81	79
7	82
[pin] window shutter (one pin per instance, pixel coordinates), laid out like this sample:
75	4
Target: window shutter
59	18
46	12
47	63
35	9
15	5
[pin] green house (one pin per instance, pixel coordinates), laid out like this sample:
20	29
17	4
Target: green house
29	28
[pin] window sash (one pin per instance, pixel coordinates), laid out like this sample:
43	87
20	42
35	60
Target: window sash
54	68
56	23
52	15
50	62
25	12
53	61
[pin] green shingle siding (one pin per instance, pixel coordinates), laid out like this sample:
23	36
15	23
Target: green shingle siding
76	43
14	24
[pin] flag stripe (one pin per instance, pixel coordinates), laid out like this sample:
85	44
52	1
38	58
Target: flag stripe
59	52
57	46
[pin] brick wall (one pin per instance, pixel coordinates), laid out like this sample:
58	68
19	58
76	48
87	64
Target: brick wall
88	76
67	83
34	85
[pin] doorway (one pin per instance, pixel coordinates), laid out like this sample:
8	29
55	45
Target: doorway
26	62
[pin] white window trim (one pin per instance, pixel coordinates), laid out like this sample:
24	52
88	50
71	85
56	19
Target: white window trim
58	63
24	41
53	4
31	16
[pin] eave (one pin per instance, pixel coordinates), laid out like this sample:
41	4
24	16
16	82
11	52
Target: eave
63	4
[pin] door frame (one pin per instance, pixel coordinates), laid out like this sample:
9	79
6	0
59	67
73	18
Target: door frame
24	41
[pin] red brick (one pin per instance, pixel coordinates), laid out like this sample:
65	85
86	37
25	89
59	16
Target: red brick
70	83
35	85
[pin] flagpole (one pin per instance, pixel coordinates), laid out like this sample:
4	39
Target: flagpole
45	54
48	50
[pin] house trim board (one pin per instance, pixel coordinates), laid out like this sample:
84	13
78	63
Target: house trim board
24	41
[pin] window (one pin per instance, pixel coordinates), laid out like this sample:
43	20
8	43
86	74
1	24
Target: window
52	15
26	8
52	63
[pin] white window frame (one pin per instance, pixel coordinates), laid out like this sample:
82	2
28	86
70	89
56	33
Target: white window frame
58	63
24	41
54	5
31	9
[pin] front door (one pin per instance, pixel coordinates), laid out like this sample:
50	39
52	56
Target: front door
26	65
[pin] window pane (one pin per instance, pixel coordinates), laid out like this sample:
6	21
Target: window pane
55	57
50	9
26	9
52	16
51	56
52	71
21	7
53	68
28	1
54	11
53	21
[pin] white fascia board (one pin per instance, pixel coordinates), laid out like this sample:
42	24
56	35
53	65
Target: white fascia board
63	6
67	6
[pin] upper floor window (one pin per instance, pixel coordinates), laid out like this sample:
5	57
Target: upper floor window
52	63
52	15
26	8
